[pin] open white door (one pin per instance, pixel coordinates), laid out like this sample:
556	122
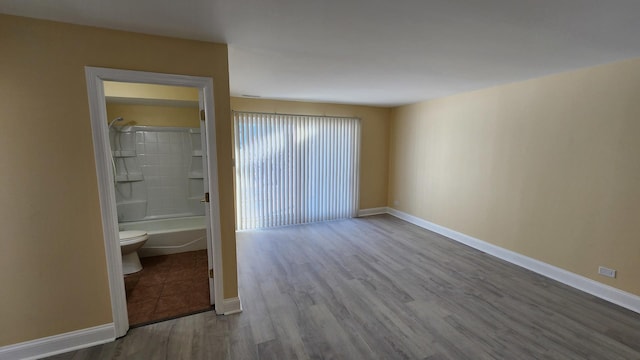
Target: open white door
212	207
207	200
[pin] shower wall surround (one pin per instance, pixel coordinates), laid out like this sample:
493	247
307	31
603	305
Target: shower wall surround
158	172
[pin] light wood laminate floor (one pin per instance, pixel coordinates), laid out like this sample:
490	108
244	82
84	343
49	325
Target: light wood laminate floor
380	288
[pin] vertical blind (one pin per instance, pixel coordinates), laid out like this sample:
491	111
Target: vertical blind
293	169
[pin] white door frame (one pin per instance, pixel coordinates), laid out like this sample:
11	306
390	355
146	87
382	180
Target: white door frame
95	77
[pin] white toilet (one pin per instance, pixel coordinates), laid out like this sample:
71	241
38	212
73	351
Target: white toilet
130	242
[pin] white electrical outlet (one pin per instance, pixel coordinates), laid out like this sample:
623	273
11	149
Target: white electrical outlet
606	272
396	202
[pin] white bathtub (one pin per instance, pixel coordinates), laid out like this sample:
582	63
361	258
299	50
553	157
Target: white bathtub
170	236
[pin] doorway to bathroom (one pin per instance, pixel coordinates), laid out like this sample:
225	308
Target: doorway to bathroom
154	142
156	146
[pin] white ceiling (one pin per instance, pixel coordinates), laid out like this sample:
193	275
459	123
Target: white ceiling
376	52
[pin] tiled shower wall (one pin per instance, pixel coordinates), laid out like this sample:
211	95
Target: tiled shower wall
158	172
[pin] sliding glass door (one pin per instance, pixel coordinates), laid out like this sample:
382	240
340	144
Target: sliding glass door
293	169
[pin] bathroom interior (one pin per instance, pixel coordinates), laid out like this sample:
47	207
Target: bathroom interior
154	134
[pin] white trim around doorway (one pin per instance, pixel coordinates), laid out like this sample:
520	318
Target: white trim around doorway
95	76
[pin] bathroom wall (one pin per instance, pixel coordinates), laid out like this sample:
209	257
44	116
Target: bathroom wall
154	114
53	272
125	90
158	172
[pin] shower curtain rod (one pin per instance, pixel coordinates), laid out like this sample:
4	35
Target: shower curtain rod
285	114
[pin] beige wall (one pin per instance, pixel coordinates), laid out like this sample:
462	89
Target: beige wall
154	115
52	263
375	138
549	168
149	91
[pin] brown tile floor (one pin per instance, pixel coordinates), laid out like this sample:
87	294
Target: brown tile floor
168	286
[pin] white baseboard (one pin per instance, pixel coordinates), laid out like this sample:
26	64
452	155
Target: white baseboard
372	211
605	292
57	344
231	306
